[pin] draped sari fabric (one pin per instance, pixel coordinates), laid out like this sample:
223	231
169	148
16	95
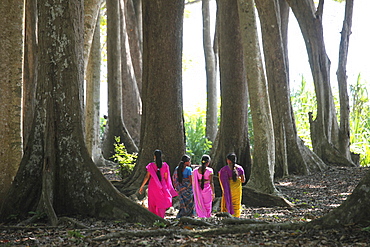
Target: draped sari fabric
202	197
160	193
185	192
231	190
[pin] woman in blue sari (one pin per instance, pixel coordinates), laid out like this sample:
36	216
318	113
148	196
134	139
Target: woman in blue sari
183	186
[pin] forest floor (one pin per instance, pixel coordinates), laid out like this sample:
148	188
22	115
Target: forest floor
314	195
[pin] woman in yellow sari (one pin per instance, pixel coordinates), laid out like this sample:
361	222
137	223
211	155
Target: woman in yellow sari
231	178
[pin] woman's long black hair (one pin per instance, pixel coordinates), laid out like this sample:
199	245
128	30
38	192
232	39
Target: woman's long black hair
205	160
159	162
232	158
180	169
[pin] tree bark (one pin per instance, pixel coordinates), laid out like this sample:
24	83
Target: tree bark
233	130
289	158
324	129
131	100
262	172
162	124
210	61
11	36
115	125
92	108
29	67
57	175
344	128
91	10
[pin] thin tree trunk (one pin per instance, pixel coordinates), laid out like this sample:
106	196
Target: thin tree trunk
92	9
11	36
289	158
324	129
92	108
344	128
115	125
131	101
210	61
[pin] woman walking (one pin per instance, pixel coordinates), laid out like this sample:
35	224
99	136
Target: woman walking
203	188
182	181
160	189
231	178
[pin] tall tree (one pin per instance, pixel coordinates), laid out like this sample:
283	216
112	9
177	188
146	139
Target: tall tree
162	124
92	106
261	180
131	100
115	126
11	36
56	175
344	128
324	129
233	130
211	74
291	156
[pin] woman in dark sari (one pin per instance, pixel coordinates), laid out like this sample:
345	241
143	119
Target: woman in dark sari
183	185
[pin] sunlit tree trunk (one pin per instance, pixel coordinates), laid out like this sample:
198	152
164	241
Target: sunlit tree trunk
344	128
92	108
262	172
292	157
211	72
57	176
11	36
324	129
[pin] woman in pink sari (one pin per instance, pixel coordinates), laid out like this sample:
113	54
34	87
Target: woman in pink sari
203	188
160	189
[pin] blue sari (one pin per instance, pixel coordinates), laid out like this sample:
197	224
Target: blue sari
185	192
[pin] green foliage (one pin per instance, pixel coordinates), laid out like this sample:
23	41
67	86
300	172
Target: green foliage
159	224
360	120
103	124
125	160
195	130
303	101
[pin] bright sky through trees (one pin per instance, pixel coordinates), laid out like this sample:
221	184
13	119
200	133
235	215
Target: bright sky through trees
194	78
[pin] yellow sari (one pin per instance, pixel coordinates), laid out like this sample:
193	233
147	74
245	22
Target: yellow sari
236	197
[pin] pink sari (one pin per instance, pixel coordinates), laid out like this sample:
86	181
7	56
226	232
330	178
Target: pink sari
160	193
202	198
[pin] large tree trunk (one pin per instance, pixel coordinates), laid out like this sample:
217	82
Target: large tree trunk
344	128
233	130
324	129
131	101
11	36
57	175
211	72
115	125
162	121
262	173
289	158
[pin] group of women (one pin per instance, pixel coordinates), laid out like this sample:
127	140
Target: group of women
195	188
